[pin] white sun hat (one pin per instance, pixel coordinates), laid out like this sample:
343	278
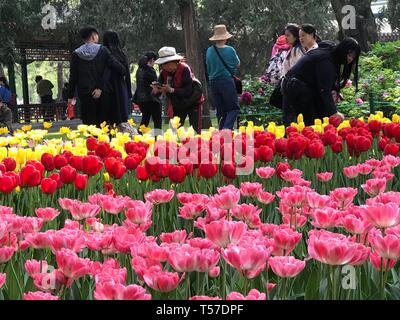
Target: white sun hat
168	54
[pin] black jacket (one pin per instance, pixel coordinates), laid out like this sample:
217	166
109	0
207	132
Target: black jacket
317	70
87	69
145	76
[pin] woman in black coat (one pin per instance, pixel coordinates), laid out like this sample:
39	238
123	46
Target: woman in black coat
309	84
150	105
118	88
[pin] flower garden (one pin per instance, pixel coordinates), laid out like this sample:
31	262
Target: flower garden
259	213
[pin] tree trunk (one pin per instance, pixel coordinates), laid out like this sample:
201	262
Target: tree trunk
2	73
366	31
60	80
193	52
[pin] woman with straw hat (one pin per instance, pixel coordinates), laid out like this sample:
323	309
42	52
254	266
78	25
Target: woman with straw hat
222	63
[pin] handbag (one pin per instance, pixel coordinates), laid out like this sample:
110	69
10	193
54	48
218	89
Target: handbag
71	111
237	80
184	103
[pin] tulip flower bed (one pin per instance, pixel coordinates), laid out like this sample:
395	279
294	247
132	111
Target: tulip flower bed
245	215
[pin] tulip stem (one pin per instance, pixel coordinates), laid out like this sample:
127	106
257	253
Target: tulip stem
21	291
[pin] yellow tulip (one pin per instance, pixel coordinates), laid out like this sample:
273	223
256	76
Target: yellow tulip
65	130
47	125
396	118
175	123
106	177
26	128
300	118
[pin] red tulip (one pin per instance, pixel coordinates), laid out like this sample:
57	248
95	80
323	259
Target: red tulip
281	168
48	162
67	175
81	181
92	165
132	161
103	149
265	154
10	164
37	165
29	176
142	174
229	170
391	149
7	184
91	144
315	150
60	161
177	173
208	170
76	162
49	186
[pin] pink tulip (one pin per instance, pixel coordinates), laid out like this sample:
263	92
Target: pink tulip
159	196
317	201
191	211
355	224
66	204
71	265
178	236
249	261
39	296
139	212
344	196
387	247
265	197
250	189
330	248
81	211
38	240
111	291
291	175
73	240
361	255
185	258
32	225
141	266
161	281
374	187
382	216
326	218
214	272
385	198
286	267
6	253
254	295
376	262
285	240
49	282
3	278
294	197
351	172
222	233
227	200
365	169
265	173
324	177
249	214
205	298
33	267
112	205
47	214
185	198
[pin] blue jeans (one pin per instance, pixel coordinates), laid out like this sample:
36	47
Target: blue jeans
226	101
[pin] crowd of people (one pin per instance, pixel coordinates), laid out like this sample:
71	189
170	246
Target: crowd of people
307	73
